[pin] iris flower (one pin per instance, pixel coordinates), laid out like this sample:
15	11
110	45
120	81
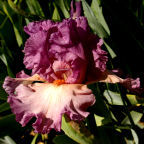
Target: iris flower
62	56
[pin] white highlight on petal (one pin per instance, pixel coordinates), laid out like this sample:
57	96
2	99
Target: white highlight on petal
48	101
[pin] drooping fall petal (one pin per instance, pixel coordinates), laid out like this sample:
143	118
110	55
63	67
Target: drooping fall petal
133	85
47	102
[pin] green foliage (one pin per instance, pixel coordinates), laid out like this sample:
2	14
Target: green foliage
34	139
113	98
4	107
77	131
94	21
136	116
34	7
7	10
56	15
117	116
97	10
62	6
7	140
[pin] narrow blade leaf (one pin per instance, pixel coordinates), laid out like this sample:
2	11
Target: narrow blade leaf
93	21
76	132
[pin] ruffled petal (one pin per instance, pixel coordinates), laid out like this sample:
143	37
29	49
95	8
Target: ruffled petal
10	84
38	26
22	74
70	42
58	43
133	85
83	28
77	11
62	34
36	56
35	51
47	102
99	56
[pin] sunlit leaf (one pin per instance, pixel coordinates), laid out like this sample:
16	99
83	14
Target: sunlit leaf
15	8
136	116
97	10
134	134
27	21
8	12
131	137
68	4
77	132
93	21
113	97
7	140
101	120
134	100
35	7
61	5
111	52
55	15
31	15
34	139
3	58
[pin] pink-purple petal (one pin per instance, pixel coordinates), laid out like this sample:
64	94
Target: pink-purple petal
99	56
35	27
47	102
133	85
69	41
75	12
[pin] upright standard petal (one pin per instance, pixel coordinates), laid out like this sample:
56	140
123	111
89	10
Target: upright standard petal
35	51
75	12
37	26
47	101
70	42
